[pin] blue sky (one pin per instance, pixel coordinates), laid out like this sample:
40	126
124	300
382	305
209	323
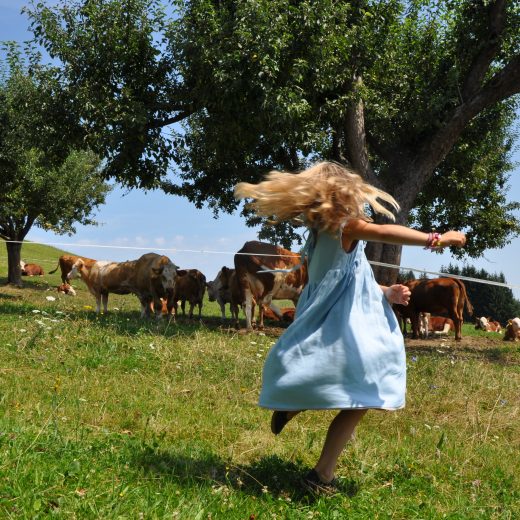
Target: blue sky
132	223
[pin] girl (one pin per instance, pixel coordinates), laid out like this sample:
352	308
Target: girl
344	350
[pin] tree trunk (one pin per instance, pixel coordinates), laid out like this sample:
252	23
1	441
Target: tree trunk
14	273
387	253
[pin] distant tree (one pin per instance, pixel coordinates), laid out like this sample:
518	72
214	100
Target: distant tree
418	95
488	300
405	276
46	182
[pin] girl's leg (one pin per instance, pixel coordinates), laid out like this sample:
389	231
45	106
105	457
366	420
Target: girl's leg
279	419
340	432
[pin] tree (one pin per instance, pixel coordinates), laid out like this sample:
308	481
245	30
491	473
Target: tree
46	182
418	95
490	301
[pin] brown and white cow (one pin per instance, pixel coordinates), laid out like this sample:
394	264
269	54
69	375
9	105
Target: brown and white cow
190	286
150	277
65	288
30	269
65	263
487	324
436	325
287	314
258	285
439	296
424	324
224	289
441	325
512	332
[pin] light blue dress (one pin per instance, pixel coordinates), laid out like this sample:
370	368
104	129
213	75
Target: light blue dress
345	348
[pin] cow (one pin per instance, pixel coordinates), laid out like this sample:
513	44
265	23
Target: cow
65	263
512	332
257	284
287	314
424	324
30	269
190	285
224	289
436	325
150	277
441	325
65	288
487	324
439	296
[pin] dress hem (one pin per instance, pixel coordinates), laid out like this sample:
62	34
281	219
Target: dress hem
285	409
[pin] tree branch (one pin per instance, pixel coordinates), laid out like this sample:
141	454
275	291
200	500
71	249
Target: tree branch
160	123
355	137
26	228
501	86
336	150
487	51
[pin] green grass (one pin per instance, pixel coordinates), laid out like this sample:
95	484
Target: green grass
116	417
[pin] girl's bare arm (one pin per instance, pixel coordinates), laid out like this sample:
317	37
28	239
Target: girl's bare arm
395	234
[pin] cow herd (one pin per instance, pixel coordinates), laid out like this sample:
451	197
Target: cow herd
262	273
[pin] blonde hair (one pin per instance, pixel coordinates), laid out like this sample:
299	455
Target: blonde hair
325	196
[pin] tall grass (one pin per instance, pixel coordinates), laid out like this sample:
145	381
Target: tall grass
117	417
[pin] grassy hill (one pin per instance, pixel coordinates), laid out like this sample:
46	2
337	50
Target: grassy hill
115	417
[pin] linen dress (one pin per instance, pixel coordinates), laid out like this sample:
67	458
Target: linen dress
345	348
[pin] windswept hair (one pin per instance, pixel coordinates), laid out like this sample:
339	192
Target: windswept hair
325	196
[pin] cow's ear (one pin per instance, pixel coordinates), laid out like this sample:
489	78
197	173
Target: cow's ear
181	272
225	269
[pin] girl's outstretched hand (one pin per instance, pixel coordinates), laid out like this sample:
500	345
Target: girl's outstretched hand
452	238
397	293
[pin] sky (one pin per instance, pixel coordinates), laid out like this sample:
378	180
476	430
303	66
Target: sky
136	222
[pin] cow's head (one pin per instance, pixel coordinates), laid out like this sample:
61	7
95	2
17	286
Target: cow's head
65	288
76	268
482	323
212	292
165	272
219	283
22	265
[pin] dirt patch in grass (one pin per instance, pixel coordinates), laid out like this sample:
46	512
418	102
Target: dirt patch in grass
491	349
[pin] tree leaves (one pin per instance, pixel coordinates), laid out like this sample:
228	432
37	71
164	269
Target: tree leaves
222	92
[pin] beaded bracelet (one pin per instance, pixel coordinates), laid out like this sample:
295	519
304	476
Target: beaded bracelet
433	242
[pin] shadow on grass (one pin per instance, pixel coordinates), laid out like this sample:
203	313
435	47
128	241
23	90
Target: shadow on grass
501	354
130	322
10	297
270	474
28	283
18	308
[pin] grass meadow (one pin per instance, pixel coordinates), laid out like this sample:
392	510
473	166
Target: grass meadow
114	417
